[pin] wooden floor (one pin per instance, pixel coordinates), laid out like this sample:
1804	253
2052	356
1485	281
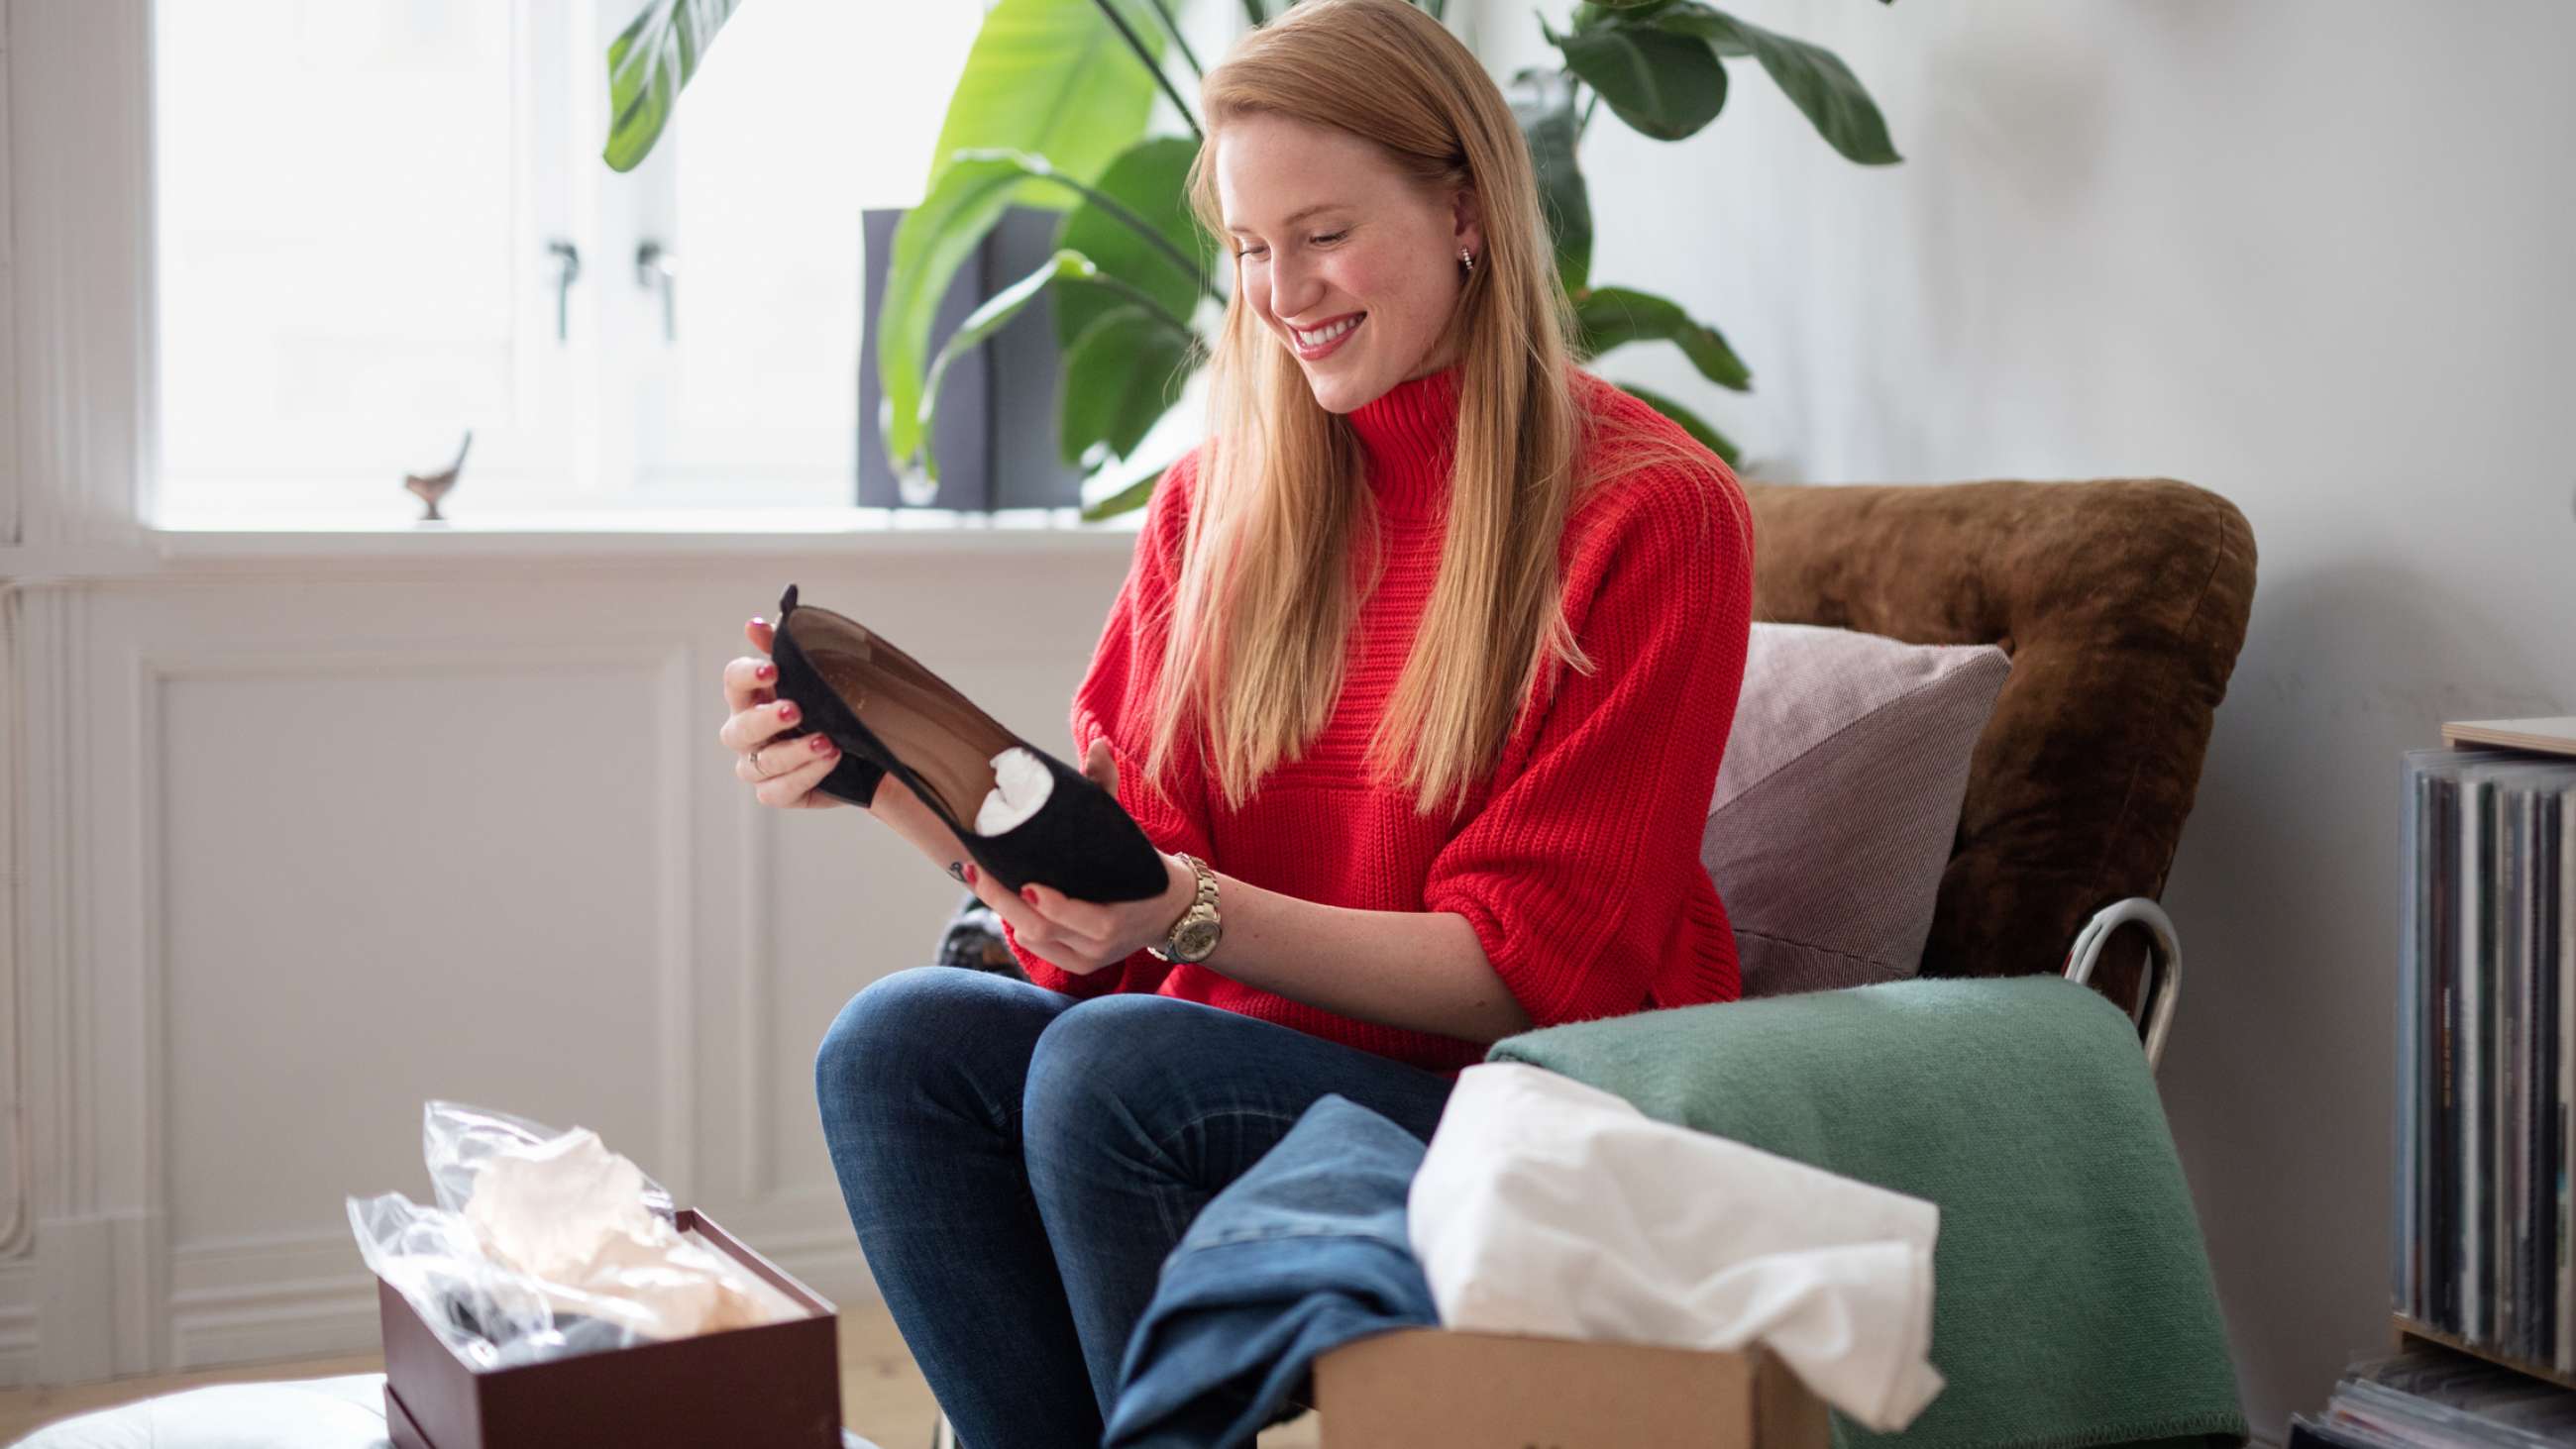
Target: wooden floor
882	1394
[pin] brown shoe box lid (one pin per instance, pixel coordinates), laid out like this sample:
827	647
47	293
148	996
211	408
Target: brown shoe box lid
775	1384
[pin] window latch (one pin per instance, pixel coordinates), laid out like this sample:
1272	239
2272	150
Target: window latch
567	260
658	269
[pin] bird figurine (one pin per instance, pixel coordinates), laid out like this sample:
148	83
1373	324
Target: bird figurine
432	487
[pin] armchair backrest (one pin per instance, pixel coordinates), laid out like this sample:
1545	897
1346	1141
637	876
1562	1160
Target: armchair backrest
2123	604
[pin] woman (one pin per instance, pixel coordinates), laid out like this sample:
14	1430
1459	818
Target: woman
1429	656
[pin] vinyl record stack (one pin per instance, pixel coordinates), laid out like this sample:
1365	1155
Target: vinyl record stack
2433	1396
2486	1046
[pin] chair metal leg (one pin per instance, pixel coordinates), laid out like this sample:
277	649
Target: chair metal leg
2163	987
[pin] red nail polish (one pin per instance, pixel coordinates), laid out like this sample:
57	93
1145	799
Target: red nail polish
766	671
971	873
787	712
1029	894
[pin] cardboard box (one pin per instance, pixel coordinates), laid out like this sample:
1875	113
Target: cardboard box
1431	1388
775	1385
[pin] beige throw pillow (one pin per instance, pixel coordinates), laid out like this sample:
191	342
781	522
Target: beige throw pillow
1838	801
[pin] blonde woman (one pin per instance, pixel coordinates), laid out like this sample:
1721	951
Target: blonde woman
1419	679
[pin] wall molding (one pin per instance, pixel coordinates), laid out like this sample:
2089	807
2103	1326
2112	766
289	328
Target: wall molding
80	367
17	1193
663	664
284	1297
71	1288
755	854
17	1324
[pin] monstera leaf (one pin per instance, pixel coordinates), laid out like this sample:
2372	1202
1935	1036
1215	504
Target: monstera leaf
1814	79
980	324
1662	84
1124	373
934	240
1135	224
1124	489
1061	87
1709	438
1609	317
649	63
1119	377
1150	267
1053	78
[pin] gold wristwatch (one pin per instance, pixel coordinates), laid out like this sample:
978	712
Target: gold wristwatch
1193	936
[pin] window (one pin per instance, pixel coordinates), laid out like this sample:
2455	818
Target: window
385	222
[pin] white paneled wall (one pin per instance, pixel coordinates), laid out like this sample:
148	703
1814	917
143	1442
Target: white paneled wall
336	837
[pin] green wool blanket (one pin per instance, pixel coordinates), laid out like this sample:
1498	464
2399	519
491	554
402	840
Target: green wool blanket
2072	1302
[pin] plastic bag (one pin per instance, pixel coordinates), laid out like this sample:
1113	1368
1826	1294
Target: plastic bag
455	1138
491	1314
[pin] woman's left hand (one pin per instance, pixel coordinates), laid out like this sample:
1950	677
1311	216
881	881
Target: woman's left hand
1081	936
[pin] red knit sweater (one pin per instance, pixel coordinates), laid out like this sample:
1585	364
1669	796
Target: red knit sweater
1577	859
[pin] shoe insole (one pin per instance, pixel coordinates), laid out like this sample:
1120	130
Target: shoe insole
947	742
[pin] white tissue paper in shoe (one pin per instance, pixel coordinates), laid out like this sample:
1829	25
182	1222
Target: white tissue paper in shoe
1552	1208
1021	785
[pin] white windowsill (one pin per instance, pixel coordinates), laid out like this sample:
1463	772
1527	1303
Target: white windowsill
187	545
640	530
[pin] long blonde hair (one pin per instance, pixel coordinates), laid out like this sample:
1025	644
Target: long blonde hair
1264	600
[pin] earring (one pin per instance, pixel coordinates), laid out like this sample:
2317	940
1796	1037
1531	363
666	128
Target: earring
1467	260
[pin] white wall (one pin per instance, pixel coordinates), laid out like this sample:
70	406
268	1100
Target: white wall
2311	255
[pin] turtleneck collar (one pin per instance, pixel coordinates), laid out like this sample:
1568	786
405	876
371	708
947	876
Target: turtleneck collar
1410	435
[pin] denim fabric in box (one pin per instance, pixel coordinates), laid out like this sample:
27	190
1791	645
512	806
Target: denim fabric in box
1300	1255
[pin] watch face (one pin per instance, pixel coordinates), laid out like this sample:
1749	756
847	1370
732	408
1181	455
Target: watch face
1197	939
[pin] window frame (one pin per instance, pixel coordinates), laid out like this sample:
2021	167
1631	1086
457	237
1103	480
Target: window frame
81	299
547	381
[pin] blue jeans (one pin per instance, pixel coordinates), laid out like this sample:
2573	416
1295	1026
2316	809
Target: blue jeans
1018	1164
1305	1252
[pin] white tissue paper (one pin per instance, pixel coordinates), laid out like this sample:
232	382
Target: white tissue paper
1021	785
571	1214
1552	1208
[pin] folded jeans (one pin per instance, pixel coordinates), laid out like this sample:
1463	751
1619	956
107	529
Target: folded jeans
1304	1252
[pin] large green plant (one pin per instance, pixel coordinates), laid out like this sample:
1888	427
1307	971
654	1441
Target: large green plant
1051	112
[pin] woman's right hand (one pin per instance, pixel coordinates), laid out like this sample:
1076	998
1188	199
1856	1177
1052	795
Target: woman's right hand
782	773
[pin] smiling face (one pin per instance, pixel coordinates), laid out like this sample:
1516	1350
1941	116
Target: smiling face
1349	263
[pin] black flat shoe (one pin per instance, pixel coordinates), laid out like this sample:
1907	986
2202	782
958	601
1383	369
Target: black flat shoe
890	715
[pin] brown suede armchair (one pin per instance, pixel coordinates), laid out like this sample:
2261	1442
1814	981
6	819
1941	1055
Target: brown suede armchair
2123	604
